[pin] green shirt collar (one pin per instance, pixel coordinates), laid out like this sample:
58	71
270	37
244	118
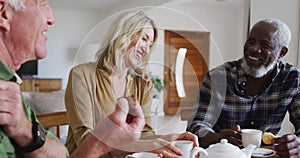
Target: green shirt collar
7	74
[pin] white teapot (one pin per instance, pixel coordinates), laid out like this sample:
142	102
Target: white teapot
222	149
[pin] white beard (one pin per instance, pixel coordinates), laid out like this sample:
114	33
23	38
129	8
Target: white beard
257	72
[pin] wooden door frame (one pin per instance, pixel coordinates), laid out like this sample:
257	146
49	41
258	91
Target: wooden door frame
206	55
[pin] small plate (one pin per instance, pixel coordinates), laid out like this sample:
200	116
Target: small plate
263	152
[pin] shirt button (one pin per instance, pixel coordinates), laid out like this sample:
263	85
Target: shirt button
252	123
244	83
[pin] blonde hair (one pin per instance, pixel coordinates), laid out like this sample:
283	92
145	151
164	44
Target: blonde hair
117	40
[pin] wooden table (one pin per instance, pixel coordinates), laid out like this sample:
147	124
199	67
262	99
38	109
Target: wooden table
267	147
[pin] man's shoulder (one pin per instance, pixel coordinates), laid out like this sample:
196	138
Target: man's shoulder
227	66
288	74
287	68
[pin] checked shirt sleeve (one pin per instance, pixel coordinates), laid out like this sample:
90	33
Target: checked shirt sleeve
294	111
209	103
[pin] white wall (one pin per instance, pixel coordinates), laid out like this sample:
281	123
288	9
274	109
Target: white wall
64	39
226	24
286	11
73	28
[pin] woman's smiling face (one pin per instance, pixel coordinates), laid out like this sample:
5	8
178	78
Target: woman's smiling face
139	47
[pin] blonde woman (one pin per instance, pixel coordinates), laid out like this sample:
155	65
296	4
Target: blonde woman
120	71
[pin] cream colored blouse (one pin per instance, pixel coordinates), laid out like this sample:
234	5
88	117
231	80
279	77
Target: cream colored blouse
90	97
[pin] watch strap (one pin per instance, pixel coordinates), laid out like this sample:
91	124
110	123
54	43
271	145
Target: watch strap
39	139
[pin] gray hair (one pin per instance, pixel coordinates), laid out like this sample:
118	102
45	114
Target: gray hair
282	36
18	5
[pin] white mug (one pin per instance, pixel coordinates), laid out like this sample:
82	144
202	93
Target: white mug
142	155
251	136
188	149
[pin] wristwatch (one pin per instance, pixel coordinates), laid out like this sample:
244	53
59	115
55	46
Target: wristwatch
39	138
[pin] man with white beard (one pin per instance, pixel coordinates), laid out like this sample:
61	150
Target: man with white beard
254	92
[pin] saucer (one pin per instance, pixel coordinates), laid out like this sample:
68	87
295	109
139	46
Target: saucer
263	152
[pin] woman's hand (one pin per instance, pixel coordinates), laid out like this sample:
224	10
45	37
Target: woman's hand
182	136
189	136
161	147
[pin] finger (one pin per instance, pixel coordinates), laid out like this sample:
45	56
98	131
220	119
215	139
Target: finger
173	149
122	109
226	133
136	110
8	85
137	123
234	141
197	155
189	136
10	96
237	128
5	118
288	153
131	100
285	138
287	146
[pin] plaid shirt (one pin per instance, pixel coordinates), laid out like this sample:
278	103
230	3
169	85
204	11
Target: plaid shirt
223	103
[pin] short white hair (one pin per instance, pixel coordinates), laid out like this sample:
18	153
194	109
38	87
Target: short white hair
283	34
16	4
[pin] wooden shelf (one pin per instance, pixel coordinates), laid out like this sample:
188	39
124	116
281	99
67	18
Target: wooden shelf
41	84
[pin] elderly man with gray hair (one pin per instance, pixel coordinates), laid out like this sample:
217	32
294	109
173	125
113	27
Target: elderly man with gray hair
255	92
23	27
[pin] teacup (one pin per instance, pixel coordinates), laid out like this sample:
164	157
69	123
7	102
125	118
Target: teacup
251	136
188	149
142	155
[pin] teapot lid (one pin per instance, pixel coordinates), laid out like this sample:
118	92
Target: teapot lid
223	146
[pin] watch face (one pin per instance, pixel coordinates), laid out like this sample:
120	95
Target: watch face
39	138
41	132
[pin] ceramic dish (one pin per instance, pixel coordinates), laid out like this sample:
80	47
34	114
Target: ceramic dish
262	152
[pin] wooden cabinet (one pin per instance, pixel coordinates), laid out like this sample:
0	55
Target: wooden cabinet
41	84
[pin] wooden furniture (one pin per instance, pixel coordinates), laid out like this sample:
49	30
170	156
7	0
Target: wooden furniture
41	84
55	119
194	68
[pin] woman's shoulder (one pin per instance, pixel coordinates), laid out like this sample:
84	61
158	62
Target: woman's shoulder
91	66
86	65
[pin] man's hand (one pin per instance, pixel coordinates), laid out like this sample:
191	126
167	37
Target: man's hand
287	146
12	117
122	127
232	135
